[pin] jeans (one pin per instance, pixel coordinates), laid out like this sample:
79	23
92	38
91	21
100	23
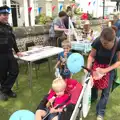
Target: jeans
101	105
53	41
59	42
51	116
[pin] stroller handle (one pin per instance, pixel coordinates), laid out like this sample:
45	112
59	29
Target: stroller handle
86	68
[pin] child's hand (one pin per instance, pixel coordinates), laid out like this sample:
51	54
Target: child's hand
52	110
63	59
52	100
48	104
57	73
59	110
65	54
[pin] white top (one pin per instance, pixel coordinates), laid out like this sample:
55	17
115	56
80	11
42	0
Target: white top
40	53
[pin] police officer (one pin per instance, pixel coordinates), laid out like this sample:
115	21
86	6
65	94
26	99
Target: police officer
8	64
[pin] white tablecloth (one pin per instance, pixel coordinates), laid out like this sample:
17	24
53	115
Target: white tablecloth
40	53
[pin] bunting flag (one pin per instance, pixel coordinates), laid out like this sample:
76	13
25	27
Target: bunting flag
53	8
94	2
9	9
61	6
89	3
78	5
29	9
73	5
39	10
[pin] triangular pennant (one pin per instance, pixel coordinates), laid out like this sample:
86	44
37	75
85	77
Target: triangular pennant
29	9
89	3
53	8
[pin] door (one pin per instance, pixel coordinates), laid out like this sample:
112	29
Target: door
14	15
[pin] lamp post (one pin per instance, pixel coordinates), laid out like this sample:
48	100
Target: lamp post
28	1
117	4
103	9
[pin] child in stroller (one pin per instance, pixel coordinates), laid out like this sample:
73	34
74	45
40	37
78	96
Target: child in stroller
64	112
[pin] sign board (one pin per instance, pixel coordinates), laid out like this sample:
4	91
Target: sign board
87	99
71	27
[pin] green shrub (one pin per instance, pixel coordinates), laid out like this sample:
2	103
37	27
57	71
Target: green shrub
77	11
42	19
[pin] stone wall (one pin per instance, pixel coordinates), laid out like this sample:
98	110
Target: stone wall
38	34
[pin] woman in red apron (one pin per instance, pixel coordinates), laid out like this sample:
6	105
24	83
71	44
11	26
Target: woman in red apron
103	59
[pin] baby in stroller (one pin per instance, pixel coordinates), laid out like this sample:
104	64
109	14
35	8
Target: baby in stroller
60	102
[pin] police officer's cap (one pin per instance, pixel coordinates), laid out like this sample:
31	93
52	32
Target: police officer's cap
4	9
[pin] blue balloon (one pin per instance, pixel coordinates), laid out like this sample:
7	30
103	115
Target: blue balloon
75	62
22	115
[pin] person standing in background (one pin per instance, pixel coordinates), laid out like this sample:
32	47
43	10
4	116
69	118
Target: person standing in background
57	29
117	24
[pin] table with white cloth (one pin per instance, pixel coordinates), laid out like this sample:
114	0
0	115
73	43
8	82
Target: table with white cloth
83	46
38	54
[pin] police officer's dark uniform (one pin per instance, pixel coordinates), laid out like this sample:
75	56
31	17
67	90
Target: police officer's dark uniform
8	64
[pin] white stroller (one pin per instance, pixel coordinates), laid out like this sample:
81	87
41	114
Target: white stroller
84	101
80	100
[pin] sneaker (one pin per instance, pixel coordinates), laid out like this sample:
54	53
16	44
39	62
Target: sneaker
3	96
99	117
11	94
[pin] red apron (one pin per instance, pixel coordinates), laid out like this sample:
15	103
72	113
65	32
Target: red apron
103	82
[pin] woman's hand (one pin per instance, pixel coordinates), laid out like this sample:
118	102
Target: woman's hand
85	71
101	70
66	31
99	73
